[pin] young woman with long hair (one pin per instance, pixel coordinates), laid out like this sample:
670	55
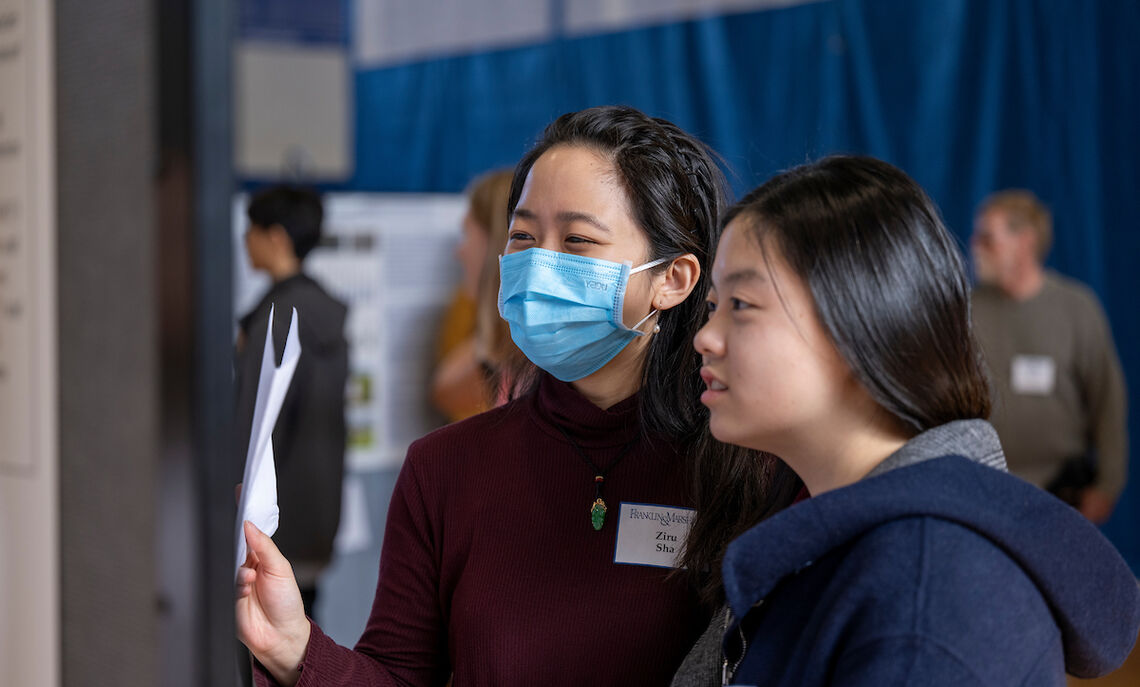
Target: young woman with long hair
839	339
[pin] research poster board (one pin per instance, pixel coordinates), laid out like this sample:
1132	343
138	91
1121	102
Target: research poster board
391	258
29	507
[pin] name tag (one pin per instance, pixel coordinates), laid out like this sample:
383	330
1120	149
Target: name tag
1033	375
651	535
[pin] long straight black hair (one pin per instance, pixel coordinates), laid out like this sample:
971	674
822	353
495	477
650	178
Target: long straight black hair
677	193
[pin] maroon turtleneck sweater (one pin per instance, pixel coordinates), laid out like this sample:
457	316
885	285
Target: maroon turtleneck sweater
490	567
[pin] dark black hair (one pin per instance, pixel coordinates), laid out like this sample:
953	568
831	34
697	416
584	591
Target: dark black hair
888	281
298	210
676	192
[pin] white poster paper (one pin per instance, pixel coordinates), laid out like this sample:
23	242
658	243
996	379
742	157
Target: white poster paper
391	259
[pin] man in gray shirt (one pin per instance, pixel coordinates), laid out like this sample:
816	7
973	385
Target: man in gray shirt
1060	390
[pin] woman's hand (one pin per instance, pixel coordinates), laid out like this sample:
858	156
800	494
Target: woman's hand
270	617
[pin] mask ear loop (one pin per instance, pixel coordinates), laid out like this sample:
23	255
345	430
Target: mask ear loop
656	327
646	266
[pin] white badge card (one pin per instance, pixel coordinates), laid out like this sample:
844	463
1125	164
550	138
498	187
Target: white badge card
1033	375
651	535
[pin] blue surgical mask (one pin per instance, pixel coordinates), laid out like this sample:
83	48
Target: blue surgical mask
565	311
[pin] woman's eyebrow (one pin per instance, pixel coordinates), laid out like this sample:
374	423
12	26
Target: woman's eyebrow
744	275
566	217
571	216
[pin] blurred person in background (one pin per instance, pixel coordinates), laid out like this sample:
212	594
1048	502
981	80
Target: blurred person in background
502	562
285	224
470	339
1060	394
494	348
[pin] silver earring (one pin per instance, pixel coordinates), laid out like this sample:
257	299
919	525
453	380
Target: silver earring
656	328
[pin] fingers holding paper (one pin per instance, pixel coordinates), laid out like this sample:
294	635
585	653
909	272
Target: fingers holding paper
269	614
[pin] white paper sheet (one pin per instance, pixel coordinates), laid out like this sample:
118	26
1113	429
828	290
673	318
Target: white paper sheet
258	502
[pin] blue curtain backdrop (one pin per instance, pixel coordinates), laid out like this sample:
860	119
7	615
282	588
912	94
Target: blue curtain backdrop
968	96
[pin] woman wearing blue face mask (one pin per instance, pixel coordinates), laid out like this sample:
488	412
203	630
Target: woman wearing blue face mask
534	544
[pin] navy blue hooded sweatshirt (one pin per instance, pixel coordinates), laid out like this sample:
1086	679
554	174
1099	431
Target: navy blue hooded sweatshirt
944	572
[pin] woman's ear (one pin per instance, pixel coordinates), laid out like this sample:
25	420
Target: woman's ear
677	282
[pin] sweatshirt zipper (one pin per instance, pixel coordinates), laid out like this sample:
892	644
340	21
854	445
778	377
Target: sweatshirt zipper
727	672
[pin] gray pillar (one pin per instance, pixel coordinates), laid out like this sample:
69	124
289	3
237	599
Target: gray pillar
219	467
108	362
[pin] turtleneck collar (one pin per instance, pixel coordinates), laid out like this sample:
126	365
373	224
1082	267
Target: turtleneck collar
557	404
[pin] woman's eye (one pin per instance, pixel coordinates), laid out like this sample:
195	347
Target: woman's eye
519	236
710	306
578	240
738	304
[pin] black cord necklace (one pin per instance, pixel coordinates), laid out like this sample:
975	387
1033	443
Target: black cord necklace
598	509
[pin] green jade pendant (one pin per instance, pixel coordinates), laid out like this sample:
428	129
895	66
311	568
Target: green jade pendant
598	514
